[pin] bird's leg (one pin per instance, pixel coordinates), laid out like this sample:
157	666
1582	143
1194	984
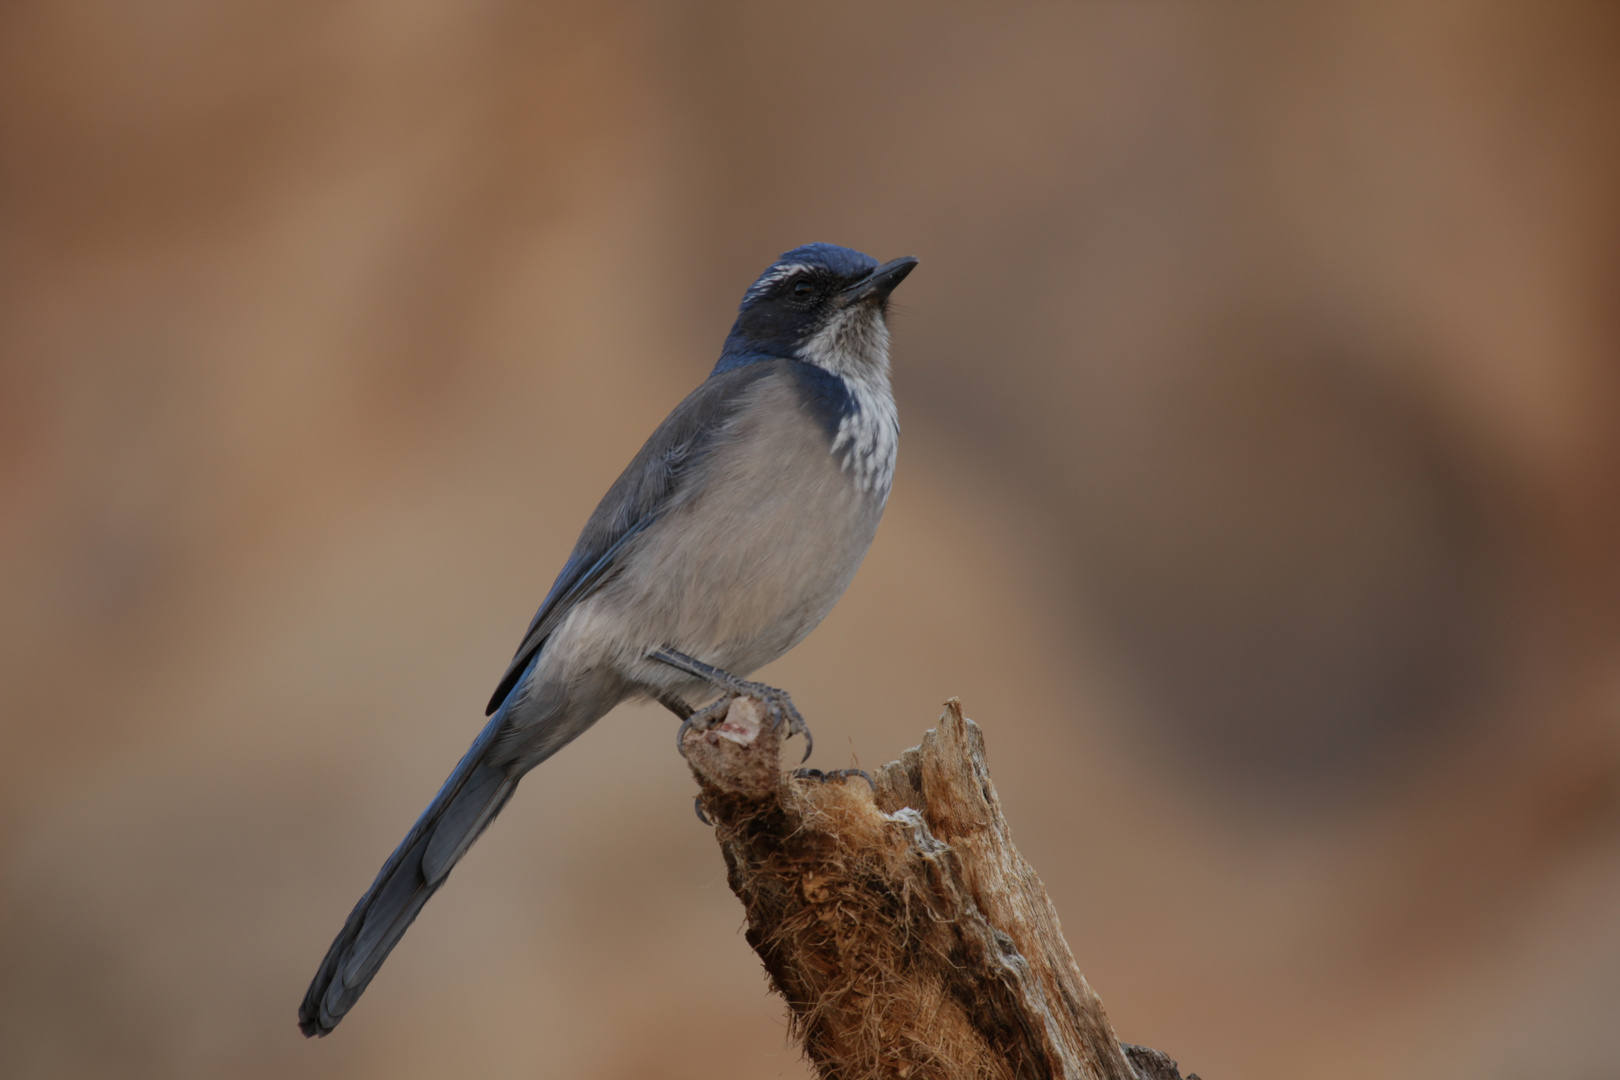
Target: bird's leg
681	709
779	706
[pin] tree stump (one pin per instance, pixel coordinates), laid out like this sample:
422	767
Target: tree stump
907	933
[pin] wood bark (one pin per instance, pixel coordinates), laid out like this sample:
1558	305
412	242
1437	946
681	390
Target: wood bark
911	939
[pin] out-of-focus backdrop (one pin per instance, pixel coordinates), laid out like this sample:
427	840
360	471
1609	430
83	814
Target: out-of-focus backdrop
1258	495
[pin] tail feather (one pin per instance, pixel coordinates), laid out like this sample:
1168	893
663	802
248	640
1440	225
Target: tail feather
464	820
469	800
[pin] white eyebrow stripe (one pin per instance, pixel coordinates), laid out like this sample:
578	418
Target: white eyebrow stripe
773	275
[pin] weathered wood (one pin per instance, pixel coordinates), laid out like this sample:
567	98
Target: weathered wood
909	936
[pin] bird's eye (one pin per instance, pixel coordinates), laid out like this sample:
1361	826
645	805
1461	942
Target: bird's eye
802	289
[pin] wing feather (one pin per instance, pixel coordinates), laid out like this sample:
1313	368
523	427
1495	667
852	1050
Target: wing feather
637	499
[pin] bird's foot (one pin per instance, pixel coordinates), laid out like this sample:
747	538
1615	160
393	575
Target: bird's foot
781	710
703	719
778	705
834	774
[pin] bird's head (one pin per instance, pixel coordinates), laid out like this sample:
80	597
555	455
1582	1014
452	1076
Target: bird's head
821	303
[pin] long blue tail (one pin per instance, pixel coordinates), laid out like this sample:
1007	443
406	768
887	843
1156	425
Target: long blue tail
464	807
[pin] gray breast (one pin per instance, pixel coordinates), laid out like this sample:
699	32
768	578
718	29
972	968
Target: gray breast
759	546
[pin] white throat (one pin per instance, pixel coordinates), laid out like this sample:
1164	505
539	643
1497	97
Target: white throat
855	346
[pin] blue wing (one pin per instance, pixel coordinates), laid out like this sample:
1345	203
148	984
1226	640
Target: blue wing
635	502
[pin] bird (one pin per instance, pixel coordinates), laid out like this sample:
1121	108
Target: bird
725	541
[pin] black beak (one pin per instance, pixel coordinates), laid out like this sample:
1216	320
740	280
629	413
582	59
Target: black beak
881	282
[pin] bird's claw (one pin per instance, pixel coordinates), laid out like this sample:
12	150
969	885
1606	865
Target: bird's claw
702	719
780	708
834	774
864	775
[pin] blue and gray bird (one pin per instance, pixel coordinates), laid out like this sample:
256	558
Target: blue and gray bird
724	542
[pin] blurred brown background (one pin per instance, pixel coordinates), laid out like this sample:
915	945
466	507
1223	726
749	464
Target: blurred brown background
1258	495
